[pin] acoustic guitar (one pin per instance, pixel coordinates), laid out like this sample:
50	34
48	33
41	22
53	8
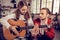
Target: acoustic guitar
9	34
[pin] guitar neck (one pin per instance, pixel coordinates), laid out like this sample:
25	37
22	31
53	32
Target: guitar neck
42	26
27	27
24	28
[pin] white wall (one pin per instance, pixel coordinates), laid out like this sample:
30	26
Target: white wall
8	2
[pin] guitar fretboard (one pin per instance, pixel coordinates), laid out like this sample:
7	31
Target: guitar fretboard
24	28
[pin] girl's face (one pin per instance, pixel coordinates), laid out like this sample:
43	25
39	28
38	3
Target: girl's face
24	9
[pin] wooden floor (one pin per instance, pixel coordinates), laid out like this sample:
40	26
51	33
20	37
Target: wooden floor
57	35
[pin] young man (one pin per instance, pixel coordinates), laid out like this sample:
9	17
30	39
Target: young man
45	33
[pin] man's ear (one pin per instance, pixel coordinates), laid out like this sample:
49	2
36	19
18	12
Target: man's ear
47	15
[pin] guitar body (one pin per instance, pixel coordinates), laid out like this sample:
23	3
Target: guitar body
7	34
10	36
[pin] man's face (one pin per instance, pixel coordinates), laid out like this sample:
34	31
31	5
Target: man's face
43	14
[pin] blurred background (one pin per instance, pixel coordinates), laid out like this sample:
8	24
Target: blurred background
8	6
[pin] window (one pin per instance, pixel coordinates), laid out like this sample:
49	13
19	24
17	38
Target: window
53	6
56	6
47	4
35	7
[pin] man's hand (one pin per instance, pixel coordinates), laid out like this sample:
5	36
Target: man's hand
35	30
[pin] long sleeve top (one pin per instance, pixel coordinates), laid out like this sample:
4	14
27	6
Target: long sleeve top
4	20
50	31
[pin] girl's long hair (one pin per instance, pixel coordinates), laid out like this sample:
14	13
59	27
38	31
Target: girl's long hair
18	12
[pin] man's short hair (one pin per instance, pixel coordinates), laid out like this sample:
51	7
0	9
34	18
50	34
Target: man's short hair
47	10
